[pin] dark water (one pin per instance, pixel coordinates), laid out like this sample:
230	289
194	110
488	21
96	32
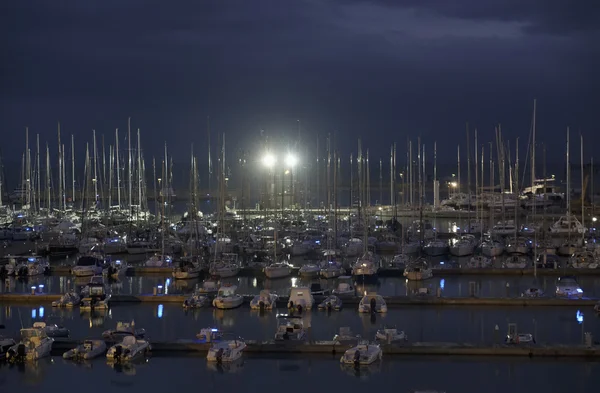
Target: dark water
441	324
254	374
452	286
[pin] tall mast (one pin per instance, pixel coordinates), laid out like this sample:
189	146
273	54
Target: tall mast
476	181
458	185
73	167
39	189
118	168
95	179
392	171
469	169
110	175
380	182
139	159
129	175
104	169
582	192
48	182
209	153
60	172
436	187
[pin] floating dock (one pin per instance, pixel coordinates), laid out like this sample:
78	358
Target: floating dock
64	270
181	347
395	301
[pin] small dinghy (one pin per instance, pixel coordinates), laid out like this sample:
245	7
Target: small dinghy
309	270
289	328
372	303
196	300
69	299
90	349
264	301
123	329
128	349
52	330
226	351
331	302
520	338
390	334
361	355
209	287
345	336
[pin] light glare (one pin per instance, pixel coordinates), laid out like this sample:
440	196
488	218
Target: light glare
269	160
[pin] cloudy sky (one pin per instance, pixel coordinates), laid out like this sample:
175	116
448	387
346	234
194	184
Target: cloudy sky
381	70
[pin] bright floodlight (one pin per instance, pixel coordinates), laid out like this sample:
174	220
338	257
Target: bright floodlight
269	160
291	160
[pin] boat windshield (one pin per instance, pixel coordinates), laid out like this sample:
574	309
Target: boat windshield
27	333
87	261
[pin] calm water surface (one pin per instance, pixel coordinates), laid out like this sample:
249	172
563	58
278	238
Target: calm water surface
452	286
441	324
305	374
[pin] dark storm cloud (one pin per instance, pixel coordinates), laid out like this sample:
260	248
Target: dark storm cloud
537	16
386	69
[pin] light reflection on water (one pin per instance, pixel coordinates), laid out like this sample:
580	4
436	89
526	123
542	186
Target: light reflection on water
452	286
442	324
296	374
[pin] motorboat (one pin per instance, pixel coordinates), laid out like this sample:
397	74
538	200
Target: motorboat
506	228
228	266
515	262
435	248
331	302
186	270
5	344
278	270
463	247
289	328
568	248
492	248
372	303
362	354
123	329
584	260
479	261
567	286
87	266
300	299
390	334
116	269
533	292
309	270
345	287
32	266
226	351
35	344
399	262
128	349
224	269
332	269
263	301
352	247
196	300
366	266
209	287
568	224
227	298
418	270
209	335
411	247
158	260
90	349
94	296
518	245
69	299
52	330
520	338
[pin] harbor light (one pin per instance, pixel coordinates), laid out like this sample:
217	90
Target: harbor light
594	219
453	184
159	311
269	160
291	160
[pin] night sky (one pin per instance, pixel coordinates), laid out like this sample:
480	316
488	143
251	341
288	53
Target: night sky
380	70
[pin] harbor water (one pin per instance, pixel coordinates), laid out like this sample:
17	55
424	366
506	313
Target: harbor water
305	374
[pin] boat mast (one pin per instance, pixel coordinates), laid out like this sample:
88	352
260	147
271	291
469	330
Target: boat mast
129	166
469	177
110	174
95	178
48	182
568	188
582	192
60	172
118	168
139	171
39	189
477	218
73	168
533	189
